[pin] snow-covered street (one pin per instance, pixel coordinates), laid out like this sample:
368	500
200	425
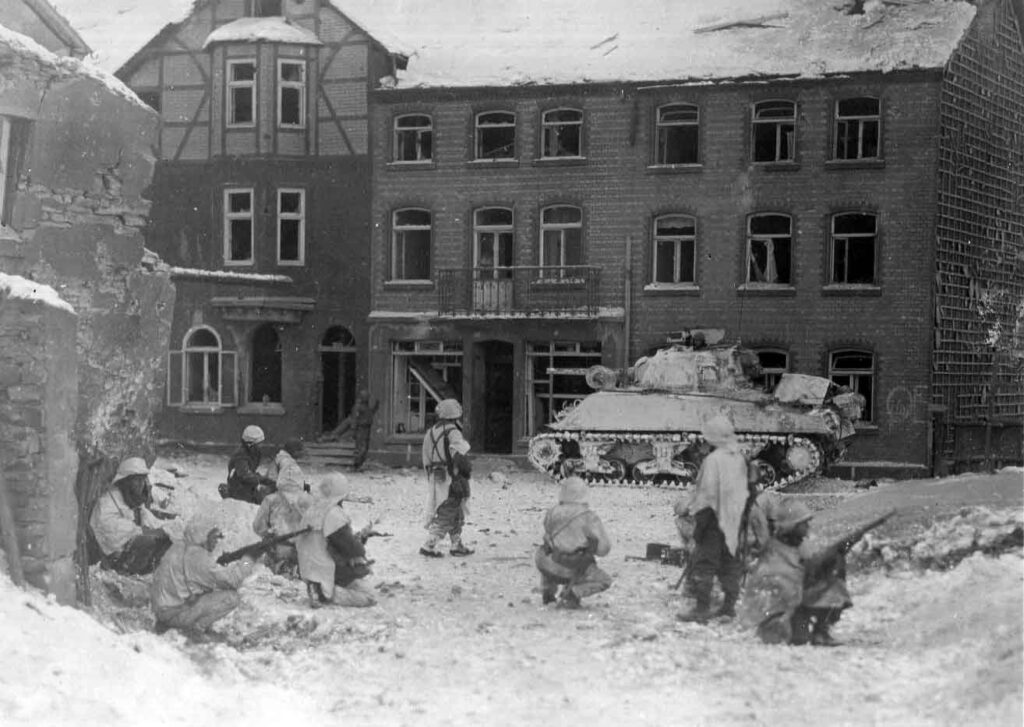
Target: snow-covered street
466	641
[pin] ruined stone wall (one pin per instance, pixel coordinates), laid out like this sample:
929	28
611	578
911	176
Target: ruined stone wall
38	399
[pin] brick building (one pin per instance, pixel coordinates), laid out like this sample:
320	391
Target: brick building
261	205
538	207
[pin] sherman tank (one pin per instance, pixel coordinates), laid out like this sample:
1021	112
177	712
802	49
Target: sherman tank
642	426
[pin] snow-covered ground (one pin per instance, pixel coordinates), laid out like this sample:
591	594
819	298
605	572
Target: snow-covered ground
466	641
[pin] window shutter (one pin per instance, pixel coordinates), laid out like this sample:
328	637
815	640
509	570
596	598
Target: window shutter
175	378
228	378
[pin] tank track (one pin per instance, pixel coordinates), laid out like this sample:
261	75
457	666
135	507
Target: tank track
803	457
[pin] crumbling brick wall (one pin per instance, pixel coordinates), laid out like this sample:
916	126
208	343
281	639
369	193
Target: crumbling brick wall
38	400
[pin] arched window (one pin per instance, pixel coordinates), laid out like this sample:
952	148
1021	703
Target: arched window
202	373
854	238
774	131
675	245
496	135
855	369
562	133
492	230
266	366
769	249
561	240
678	128
414	138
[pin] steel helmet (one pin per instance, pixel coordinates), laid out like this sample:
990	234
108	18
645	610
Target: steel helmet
789	513
131	466
574	489
449	409
252	434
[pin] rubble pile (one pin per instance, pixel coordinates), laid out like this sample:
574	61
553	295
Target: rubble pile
945	543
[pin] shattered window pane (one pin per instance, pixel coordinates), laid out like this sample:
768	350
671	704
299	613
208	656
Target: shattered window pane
496	135
562	133
677	134
557	379
774	364
769	247
674	249
858	122
855	370
421	379
774	131
413	138
853	249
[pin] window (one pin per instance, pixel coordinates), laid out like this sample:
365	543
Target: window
425	373
266	8
492	230
14	133
858	122
150	97
241	93
414	138
675	244
774	131
556	379
291	226
291	94
238	226
853	249
202	374
496	135
774	363
677	134
266	366
561	239
856	370
769	245
562	132
410	245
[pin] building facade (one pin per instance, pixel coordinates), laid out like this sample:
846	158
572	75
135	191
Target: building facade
525	232
261	205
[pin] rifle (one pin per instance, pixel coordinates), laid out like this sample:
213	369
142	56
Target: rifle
255	549
840	545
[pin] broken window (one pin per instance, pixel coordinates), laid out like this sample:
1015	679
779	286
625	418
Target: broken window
410	244
425	373
556	372
855	369
675	245
291	226
238	221
858	121
853	249
496	135
562	133
677	134
266	8
769	246
492	229
241	93
774	131
774	363
291	94
561	240
266	366
202	374
414	138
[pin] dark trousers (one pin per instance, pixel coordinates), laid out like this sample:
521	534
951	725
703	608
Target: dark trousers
141	554
807	621
712	558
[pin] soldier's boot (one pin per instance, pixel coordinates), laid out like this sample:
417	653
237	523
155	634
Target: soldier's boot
728	608
820	635
568	599
701	612
547	596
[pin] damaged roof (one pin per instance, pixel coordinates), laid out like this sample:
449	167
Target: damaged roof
465	43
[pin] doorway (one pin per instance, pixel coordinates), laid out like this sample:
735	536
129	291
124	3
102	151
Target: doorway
337	376
496	372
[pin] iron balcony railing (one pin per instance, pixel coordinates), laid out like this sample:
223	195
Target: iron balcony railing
528	290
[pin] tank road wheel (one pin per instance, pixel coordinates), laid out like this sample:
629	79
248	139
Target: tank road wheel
638	475
802	457
766	472
616	469
544	452
686	471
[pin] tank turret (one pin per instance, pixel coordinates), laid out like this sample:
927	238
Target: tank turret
642	425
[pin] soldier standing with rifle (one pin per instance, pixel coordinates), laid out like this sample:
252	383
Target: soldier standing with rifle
795	595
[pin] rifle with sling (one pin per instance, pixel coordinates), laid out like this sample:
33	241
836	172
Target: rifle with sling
822	557
253	550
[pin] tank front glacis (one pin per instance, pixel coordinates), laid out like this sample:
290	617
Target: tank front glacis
647	432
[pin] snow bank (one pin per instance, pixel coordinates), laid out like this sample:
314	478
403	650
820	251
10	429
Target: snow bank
15	286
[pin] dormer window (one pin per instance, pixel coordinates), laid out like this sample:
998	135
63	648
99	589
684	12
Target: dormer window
266	8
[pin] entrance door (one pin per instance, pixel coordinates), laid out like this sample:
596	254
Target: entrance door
338	376
496	372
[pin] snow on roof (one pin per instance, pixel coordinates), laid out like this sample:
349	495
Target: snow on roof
15	286
227	276
63	65
521	42
466	43
250	30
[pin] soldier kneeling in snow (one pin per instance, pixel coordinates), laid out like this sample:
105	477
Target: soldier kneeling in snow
281	511
792	597
573	536
190	590
332	558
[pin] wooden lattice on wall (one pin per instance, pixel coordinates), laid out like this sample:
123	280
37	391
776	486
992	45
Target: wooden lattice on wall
978	359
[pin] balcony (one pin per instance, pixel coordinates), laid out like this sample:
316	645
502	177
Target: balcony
519	292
